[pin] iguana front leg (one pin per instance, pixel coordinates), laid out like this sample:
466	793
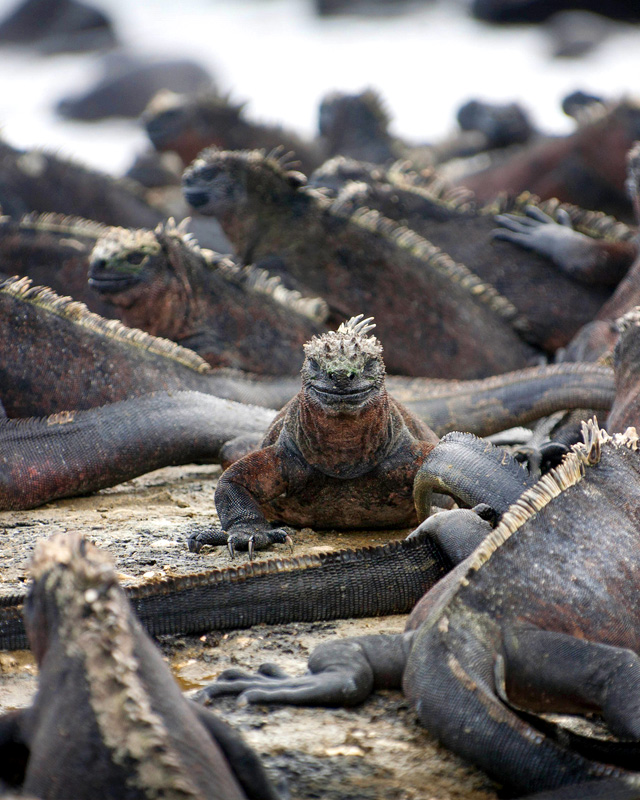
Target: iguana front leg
255	479
581	257
340	673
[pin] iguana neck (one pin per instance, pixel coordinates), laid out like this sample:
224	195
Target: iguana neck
342	444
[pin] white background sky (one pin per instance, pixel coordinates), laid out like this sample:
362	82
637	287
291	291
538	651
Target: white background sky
282	59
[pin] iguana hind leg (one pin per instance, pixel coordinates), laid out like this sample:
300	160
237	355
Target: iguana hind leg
340	673
548	671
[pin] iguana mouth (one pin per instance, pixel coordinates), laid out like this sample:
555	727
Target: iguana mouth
110	284
346	395
196	198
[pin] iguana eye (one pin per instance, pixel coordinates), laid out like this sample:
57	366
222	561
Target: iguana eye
135	258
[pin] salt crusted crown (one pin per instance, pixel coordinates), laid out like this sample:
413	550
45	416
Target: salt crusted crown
346	350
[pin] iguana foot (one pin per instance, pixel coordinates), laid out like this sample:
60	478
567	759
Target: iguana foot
215	537
458	532
238	540
540	460
340	674
548	671
572	251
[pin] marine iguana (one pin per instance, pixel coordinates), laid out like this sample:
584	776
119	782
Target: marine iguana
58	356
554	305
37	181
533	620
53	250
49	341
240	317
108	719
586	168
625	410
356	125
187	123
342	454
586	259
355	260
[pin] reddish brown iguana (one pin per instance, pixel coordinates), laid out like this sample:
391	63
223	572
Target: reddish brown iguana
554	303
341	454
589	260
586	168
187	123
437	318
232	316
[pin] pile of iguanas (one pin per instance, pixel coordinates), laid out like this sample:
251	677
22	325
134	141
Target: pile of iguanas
524	597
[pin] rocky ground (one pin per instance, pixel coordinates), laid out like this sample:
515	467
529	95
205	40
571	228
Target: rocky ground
377	750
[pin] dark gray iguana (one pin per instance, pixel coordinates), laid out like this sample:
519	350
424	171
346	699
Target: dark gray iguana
591	261
553	299
541	617
108	719
436	317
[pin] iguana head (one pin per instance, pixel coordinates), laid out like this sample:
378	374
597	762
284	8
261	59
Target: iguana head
350	122
123	258
343	370
124	263
224	184
187	123
69	575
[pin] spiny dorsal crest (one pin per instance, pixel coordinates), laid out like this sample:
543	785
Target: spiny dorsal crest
73	564
346	350
633	170
629	320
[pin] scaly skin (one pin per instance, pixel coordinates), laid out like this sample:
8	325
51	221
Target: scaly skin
75	452
586	168
53	250
58	356
242	318
335	585
625	411
49	341
418	293
542	616
554	302
341	454
108	720
187	123
615	261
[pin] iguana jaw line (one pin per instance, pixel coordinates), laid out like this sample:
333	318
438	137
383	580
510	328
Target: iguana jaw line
336	397
110	284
